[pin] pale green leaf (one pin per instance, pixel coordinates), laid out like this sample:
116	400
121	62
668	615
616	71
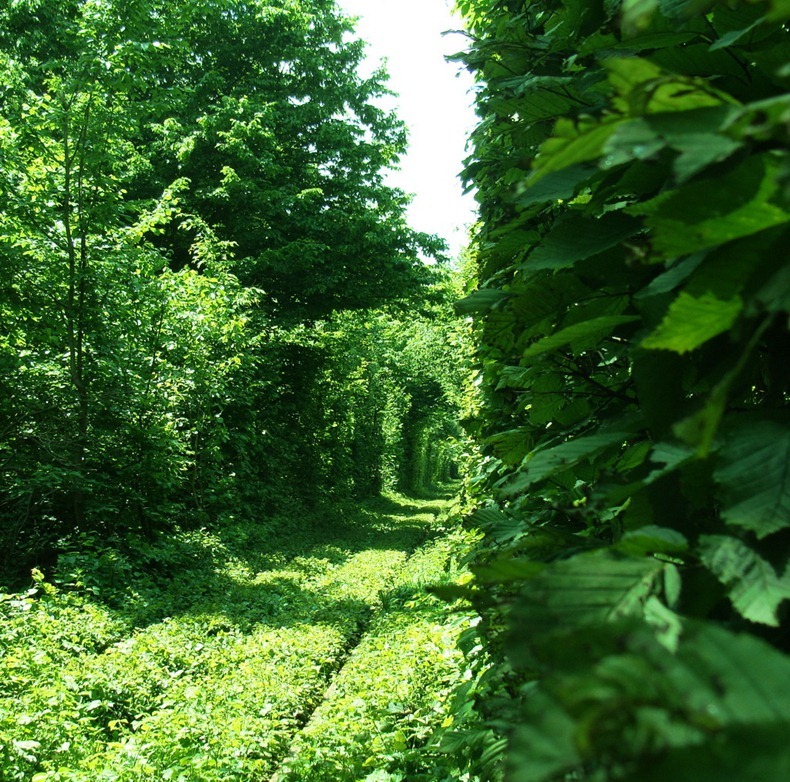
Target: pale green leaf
645	87
636	16
709	213
569	147
627	74
693	320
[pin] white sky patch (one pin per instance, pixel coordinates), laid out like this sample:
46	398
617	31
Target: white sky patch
434	100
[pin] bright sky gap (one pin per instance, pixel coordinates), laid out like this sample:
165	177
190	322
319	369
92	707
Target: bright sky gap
434	100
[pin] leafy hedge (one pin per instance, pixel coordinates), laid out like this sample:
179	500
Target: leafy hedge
632	166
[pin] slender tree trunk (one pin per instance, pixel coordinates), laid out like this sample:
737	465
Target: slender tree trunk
77	258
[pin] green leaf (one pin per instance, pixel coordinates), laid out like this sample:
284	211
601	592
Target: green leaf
558	186
748	753
780	10
684	9
544	463
633	140
636	16
699	429
670	279
507	569
670	456
542	748
754	475
709	213
775	294
579	336
733	36
693	320
651	540
735	687
752	584
480	301
512	446
588	589
542	98
699	150
627	74
653	40
695	134
577	237
569	147
646	88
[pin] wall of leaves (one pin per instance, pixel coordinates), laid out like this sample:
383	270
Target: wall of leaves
631	312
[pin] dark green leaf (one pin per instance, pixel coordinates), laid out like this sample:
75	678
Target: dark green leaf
543	747
549	461
560	185
589	589
580	336
480	301
754	476
752	584
577	237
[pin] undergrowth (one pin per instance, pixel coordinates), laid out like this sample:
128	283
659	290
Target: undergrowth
201	656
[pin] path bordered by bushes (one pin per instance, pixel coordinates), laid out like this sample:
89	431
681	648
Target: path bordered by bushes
262	652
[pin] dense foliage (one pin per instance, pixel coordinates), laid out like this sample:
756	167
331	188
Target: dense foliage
632	306
194	241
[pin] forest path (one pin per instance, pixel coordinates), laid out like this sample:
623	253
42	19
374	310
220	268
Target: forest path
290	652
392	691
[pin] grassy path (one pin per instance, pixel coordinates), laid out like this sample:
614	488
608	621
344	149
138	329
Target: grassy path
280	652
393	692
